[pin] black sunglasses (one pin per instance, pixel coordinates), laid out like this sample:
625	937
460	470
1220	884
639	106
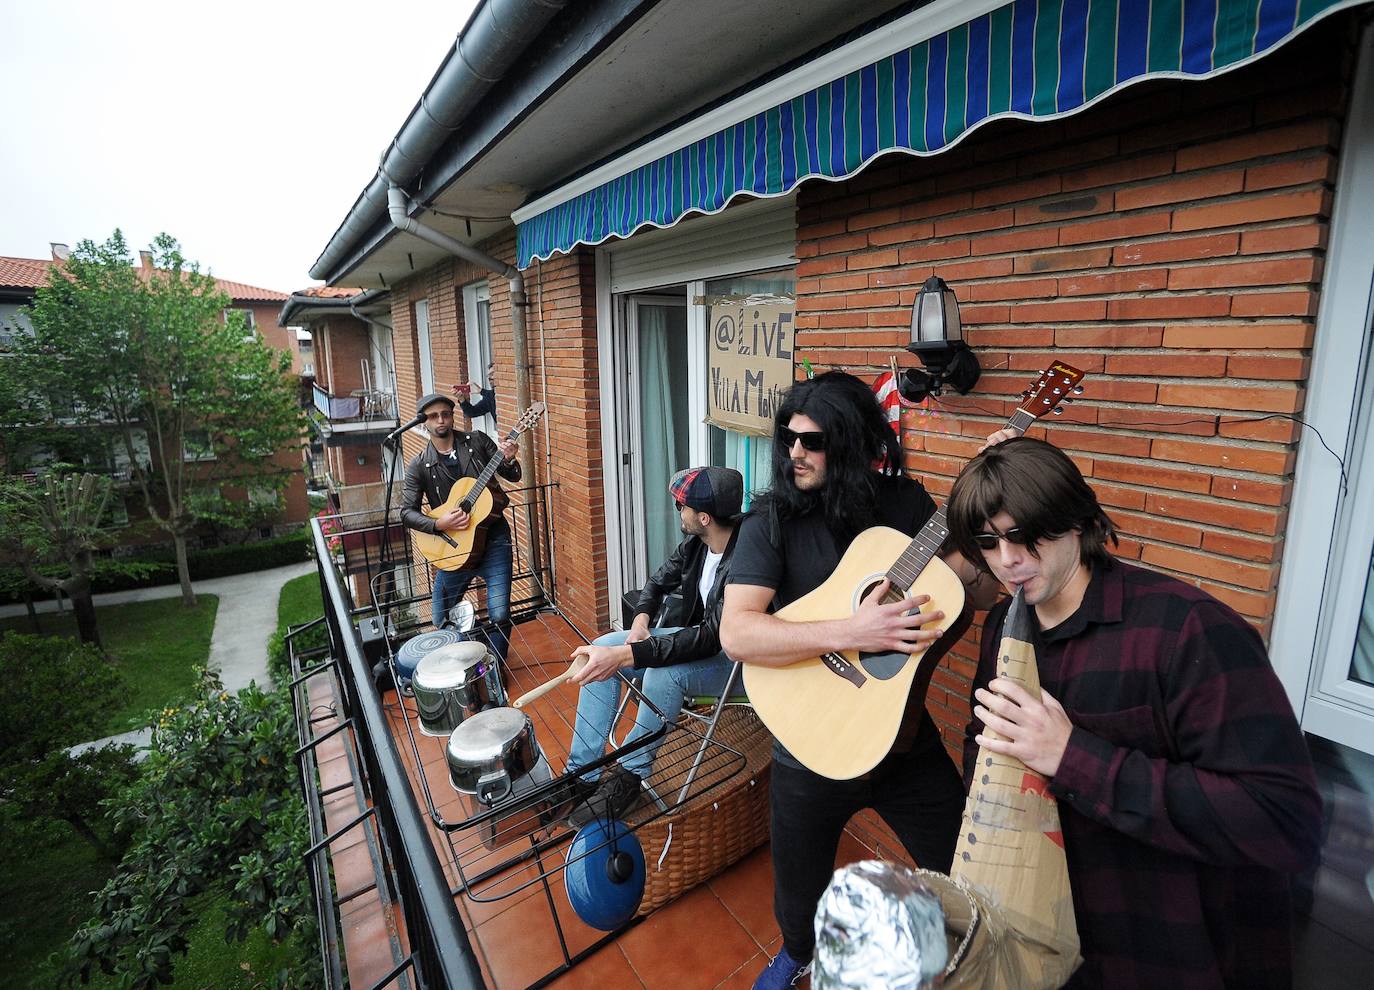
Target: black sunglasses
813	440
989	541
679	504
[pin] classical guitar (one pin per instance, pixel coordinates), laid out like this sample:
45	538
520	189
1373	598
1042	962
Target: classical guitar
459	548
839	714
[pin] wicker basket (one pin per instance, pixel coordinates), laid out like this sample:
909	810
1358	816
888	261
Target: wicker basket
717	825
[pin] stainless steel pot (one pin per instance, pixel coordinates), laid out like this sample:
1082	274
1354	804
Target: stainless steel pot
452	683
490	752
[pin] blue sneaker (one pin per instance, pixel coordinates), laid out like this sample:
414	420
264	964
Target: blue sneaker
783	972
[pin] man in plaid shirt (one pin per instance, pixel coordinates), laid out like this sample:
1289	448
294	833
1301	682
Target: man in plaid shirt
1184	785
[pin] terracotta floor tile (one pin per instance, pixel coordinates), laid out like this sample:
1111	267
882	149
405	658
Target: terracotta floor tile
743	978
520	944
608	969
746	890
692	944
367	936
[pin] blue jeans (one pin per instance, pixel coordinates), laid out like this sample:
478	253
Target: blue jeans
666	687
495	570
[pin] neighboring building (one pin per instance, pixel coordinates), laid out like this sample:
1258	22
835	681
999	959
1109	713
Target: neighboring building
21	278
1172	197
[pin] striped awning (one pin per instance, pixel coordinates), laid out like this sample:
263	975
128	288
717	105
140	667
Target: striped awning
1034	59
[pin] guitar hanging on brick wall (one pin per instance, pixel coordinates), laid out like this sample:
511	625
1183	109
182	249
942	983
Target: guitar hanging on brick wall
839	714
458	548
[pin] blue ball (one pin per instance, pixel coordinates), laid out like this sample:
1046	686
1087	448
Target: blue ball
602	901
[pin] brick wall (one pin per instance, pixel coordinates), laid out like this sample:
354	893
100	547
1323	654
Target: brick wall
1171	243
561	341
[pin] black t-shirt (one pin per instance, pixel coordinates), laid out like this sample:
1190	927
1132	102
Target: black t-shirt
807	553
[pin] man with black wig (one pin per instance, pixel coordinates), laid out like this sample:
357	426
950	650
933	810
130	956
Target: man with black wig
836	472
1185	789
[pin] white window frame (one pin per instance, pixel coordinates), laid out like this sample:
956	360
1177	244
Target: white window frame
422	346
1330	531
480	351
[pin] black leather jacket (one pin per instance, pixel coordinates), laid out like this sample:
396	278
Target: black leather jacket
699	636
427	477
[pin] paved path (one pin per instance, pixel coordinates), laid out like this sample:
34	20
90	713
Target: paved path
244	622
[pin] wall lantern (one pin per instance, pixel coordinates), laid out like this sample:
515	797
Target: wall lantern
937	338
362	458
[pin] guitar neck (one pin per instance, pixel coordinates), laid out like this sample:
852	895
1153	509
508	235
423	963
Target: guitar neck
485	477
908	567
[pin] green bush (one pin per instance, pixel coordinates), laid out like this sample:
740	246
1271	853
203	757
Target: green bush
158	566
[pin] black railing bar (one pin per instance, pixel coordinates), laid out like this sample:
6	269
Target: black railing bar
345	724
352	823
336	788
341	901
553	908
292	632
395	971
319	668
457	964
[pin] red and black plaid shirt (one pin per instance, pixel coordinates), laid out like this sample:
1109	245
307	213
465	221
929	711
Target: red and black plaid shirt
1186	792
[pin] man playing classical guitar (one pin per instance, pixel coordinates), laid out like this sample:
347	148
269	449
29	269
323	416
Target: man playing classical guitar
452	454
829	433
1184	786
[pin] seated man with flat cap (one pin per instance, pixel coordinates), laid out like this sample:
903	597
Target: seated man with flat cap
452	454
671	663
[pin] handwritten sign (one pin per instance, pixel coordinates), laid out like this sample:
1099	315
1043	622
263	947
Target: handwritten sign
749	362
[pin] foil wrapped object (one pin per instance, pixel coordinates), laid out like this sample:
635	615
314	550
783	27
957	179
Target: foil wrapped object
878	927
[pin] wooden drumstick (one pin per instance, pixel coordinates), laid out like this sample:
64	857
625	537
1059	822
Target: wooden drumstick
543	689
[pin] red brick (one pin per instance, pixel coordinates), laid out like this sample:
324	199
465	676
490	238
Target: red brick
1063	154
1294	237
1155	528
890	318
1098	442
1242	547
1228	456
1271	429
833	319
1059	210
970	222
933	252
1131	280
1158	421
1169	307
1310	202
820	266
1274	304
1181	189
899	276
984	314
1279	367
1023	240
938	206
1010	192
872	259
827	228
1168	365
1116	497
873	218
1116	172
1274	493
1122	390
1020	337
1215	512
962	271
842	243
1152	475
1034	288
1256	336
1114	229
1217	568
1247	603
1283	271
1038	361
1048	312
1059	261
1250	398
1274	141
1130	336
900	234
1321	168
1176	249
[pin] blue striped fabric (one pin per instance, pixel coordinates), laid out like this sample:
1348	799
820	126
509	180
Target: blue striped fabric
1032	58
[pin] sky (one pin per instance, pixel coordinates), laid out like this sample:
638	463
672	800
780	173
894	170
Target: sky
244	130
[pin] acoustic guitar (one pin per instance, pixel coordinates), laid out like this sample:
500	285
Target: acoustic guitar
459	548
838	714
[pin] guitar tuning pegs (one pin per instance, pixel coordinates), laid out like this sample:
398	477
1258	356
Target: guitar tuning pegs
1078	390
1058	410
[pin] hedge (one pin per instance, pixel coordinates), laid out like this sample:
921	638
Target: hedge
242	558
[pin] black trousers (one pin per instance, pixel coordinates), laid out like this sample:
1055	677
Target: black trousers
918	794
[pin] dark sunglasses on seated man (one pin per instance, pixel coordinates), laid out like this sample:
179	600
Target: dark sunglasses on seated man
989	541
813	440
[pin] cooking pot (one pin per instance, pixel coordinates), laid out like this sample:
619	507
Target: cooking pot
453	682
490	752
416	648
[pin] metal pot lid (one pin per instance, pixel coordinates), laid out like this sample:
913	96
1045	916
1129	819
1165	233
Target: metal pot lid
485	736
448	666
417	647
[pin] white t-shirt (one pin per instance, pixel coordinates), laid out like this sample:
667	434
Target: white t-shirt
708	574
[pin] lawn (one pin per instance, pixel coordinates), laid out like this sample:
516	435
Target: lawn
300	601
156	644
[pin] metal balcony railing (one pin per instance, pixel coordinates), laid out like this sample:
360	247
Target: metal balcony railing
359	406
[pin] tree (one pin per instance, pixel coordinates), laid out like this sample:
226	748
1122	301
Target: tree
58	521
195	399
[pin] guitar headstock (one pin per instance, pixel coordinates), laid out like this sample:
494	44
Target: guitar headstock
1056	385
528	418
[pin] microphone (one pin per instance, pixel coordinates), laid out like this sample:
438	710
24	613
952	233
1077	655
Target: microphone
395	435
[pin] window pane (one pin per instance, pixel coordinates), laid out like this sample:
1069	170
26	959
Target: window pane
1362	663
